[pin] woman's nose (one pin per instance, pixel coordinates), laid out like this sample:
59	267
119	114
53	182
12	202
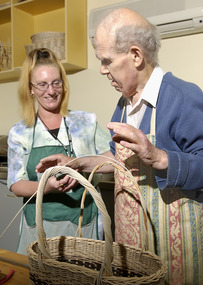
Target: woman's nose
50	89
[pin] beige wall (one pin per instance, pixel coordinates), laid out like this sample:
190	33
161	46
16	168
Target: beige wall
92	92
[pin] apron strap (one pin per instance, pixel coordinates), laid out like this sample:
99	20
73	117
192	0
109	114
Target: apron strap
123	112
153	122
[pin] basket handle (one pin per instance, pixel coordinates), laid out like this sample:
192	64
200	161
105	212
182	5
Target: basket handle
128	174
106	269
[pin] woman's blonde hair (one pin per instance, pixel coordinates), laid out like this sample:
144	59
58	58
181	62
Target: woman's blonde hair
27	102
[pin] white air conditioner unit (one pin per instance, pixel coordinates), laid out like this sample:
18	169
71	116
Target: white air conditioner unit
172	17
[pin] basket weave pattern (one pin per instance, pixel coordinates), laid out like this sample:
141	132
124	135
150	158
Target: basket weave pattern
79	261
80	264
55	41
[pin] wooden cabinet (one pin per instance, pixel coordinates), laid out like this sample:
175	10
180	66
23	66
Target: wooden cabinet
21	19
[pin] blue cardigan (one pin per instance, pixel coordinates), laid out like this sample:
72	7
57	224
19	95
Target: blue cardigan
179	131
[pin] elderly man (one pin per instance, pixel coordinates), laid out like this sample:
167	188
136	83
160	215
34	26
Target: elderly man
156	134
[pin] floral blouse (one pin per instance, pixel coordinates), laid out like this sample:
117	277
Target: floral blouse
87	136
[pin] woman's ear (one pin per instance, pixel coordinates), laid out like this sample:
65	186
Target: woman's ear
31	92
137	55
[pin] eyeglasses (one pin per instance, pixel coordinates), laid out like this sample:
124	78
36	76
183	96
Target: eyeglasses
43	86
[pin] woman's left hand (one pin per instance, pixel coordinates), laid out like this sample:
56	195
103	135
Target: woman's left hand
67	183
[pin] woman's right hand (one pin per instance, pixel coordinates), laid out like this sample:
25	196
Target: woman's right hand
54	185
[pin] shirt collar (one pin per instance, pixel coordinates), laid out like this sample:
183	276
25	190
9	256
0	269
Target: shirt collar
151	89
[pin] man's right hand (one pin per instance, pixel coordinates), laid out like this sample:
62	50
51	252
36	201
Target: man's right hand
53	160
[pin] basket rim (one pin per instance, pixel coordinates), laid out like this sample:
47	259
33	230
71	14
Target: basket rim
47	35
47	32
160	273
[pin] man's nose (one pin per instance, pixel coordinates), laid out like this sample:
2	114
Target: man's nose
103	69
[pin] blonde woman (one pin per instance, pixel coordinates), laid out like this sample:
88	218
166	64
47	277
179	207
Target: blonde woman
48	128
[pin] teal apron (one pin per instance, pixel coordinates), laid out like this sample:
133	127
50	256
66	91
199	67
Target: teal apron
57	207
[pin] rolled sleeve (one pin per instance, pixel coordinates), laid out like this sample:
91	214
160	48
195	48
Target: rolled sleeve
177	172
17	158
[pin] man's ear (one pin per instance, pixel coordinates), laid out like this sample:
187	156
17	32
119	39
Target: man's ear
137	55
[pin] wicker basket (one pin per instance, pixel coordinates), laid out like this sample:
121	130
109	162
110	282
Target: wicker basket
55	41
79	261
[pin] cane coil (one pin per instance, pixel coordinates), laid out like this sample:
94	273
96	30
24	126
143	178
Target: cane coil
77	261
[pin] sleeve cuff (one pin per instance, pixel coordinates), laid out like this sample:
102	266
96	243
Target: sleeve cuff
177	171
